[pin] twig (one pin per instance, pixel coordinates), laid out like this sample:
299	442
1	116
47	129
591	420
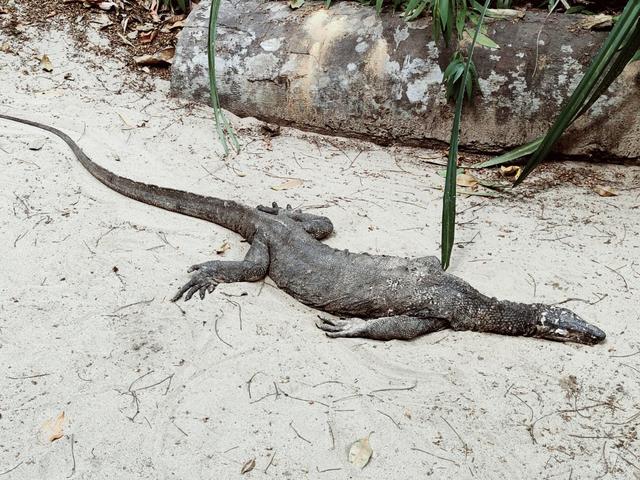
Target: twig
181	430
215	329
170	378
73	457
251	380
394	389
296	432
389	417
239	310
436	456
333	440
328	469
28	376
625	356
270	462
310	402
146	302
465	447
528	406
11	469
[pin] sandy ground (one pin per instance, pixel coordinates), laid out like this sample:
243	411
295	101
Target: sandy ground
149	390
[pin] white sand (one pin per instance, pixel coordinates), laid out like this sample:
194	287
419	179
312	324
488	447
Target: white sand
65	314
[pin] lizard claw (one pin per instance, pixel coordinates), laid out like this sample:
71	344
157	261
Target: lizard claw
343	327
200	283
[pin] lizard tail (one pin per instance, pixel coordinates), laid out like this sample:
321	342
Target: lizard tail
227	213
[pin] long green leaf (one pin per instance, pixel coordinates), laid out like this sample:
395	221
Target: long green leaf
223	127
621	33
449	197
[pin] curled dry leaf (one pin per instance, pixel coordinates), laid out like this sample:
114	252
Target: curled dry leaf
248	466
45	63
288	185
360	452
162	58
223	248
148	37
466	180
54	428
511	171
604	191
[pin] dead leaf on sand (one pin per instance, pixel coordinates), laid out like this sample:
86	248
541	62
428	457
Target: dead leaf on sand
511	171
360	452
605	191
53	429
45	63
248	466
223	248
161	58
466	180
289	184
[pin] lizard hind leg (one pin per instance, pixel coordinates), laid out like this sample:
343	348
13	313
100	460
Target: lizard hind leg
317	226
399	327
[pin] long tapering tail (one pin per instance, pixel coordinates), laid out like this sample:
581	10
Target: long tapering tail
227	213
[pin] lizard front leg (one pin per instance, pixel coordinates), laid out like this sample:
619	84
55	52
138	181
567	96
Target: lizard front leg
400	327
209	275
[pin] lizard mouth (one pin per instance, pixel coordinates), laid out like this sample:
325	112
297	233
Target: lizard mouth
563	325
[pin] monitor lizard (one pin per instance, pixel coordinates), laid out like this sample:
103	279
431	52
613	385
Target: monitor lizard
374	296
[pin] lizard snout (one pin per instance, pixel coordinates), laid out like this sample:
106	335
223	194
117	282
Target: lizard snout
563	325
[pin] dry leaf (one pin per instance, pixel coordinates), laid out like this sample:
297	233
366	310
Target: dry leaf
596	22
148	37
407	413
360	452
248	466
289	184
466	180
161	58
46	64
504	13
511	171
604	191
223	248
106	6
53	427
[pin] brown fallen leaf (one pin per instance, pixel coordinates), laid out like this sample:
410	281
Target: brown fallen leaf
45	63
288	185
360	452
604	191
223	248
466	180
54	427
511	171
161	58
248	466
148	37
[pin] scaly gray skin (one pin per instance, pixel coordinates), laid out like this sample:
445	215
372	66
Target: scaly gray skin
382	297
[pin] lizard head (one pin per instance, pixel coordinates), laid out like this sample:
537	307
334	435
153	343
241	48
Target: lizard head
560	324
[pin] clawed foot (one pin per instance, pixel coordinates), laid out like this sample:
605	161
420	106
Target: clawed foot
201	282
274	209
343	327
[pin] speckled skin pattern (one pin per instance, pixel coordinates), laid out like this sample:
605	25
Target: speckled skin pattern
376	296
